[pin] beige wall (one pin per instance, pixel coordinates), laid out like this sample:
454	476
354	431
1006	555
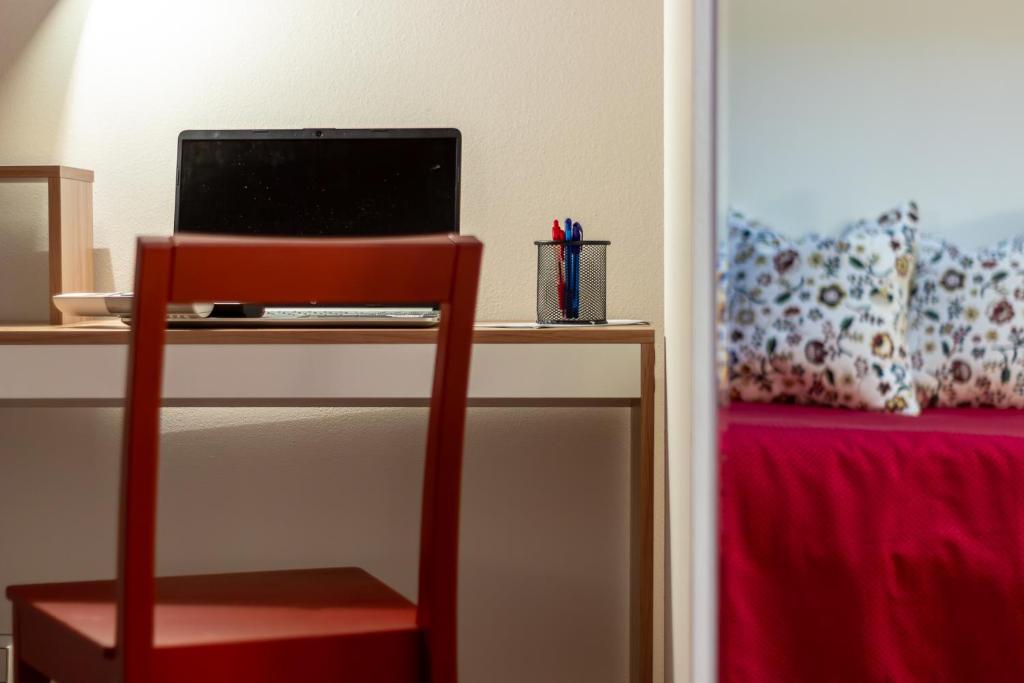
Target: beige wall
560	108
834	110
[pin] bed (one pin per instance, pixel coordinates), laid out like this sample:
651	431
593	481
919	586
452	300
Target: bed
866	547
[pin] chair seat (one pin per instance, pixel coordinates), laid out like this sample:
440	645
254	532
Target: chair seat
333	619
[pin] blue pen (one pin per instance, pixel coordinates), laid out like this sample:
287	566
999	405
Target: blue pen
567	262
577	235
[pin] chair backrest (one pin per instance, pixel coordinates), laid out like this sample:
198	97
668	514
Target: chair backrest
443	270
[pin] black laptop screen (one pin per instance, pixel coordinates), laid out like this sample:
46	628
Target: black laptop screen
319	186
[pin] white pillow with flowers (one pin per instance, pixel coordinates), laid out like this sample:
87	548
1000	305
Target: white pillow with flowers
721	323
822	320
967	325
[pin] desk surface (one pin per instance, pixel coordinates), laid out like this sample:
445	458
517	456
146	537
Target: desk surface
116	332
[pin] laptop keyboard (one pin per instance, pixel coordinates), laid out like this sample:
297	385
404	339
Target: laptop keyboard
319	313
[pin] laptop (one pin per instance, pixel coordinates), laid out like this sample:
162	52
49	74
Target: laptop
318	182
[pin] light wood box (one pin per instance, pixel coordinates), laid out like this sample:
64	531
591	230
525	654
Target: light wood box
69	196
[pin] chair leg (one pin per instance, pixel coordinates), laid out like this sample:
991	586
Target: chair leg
23	673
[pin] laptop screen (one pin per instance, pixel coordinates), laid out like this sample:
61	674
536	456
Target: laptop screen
327	183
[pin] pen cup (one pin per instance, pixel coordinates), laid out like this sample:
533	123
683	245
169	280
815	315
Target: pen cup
571	281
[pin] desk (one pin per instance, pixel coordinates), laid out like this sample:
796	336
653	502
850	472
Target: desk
84	365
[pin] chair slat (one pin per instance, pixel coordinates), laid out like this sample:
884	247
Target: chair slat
330	270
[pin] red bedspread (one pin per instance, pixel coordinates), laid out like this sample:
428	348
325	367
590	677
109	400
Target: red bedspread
861	547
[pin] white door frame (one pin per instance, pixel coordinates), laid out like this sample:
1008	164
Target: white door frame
690	44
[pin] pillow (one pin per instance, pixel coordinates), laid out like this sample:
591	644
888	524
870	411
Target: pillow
822	320
721	324
967	325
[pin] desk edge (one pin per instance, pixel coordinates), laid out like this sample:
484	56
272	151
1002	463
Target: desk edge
72	335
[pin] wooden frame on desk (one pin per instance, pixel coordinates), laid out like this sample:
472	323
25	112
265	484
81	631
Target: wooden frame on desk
69	200
25	347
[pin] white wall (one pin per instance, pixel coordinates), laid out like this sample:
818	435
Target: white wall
836	110
560	109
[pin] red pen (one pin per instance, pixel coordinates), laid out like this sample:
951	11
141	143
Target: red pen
558	235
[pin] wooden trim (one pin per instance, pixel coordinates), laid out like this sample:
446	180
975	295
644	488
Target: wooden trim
626	334
641	533
229	402
115	332
16	173
553	401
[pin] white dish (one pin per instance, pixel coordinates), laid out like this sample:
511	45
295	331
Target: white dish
115	304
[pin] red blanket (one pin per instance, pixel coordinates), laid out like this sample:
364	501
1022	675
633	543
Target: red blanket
862	547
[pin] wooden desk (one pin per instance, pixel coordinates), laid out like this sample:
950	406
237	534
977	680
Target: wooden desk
84	365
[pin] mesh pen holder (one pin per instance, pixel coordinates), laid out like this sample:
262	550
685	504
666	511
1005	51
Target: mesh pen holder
583	298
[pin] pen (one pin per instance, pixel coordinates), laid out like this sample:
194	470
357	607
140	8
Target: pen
577	235
558	235
567	260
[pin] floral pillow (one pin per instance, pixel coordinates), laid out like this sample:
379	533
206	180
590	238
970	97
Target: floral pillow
967	325
822	320
721	323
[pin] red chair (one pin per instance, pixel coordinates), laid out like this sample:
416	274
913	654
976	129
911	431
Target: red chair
283	626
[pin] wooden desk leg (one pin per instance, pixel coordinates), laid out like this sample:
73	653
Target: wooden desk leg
641	526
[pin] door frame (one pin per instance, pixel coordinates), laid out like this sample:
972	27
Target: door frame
690	177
